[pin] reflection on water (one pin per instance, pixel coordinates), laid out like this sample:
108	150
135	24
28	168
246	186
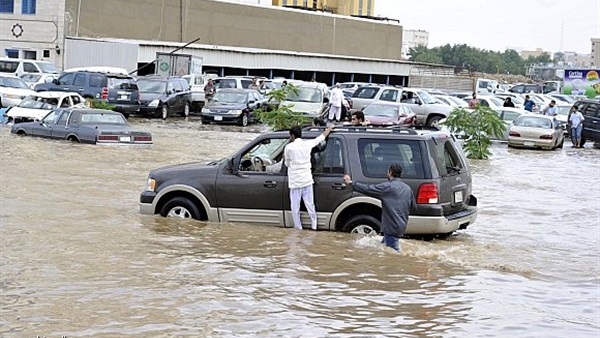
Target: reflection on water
77	259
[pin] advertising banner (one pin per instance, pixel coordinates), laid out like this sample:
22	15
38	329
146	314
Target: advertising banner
582	82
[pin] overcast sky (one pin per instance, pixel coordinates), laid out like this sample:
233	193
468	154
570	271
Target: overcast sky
498	24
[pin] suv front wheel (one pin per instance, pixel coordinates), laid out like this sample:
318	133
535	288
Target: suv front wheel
363	224
180	207
164	112
186	110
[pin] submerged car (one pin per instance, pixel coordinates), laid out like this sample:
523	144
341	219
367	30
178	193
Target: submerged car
36	106
389	114
536	132
233	106
95	126
12	90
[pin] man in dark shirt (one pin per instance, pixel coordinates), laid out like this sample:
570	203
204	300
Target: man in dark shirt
528	104
397	201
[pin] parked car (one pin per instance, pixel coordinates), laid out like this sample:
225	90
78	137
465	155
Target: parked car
12	90
107	84
490	101
389	114
426	108
311	99
590	109
536	131
233	82
196	83
526	88
18	67
563	98
33	79
37	105
451	101
508	115
233	106
235	190
95	126
164	96
563	110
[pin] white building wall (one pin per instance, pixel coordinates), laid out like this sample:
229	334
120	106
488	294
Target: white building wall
39	32
412	38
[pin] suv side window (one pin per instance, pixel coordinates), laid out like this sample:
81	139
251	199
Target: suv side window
30	67
63	119
366	92
246	83
170	87
592	110
96	80
75	99
330	160
66	79
376	156
184	85
389	95
79	80
446	158
270	151
518	89
177	86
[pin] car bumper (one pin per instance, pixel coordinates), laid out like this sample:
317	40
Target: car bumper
125	108
146	200
145	110
533	144
220	118
424	225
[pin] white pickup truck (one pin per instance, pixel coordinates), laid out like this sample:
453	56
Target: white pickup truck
426	108
197	82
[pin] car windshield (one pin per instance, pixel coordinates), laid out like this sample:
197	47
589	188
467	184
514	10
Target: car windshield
381	110
48	68
533	122
12	82
498	102
563	110
229	97
36	102
124	83
102	118
426	98
305	94
152	86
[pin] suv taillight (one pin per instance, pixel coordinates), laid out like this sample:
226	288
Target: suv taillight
104	95
428	194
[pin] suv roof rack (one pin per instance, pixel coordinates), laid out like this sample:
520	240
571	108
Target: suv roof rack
357	129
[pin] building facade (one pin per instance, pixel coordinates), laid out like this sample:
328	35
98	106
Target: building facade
341	7
32	29
595	62
525	54
412	38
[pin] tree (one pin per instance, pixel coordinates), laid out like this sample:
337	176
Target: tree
476	126
423	54
277	115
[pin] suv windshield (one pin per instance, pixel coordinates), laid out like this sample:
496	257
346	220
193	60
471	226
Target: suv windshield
125	83
533	122
229	97
305	94
48	68
12	82
36	102
152	86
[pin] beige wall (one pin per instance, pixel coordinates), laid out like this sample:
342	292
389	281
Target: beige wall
595	53
342	7
227	24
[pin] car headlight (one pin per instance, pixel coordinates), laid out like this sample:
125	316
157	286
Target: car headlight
150	184
154	103
235	112
206	110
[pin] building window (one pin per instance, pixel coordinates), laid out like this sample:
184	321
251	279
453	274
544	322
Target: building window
360	7
28	7
46	53
370	8
12	53
7	6
29	54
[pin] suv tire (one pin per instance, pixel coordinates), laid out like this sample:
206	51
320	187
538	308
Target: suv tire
363	224
243	120
180	207
433	121
164	112
186	110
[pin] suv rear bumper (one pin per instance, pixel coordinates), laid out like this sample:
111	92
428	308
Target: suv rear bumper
421	225
125	108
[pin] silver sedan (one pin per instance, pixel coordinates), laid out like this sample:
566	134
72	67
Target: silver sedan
536	132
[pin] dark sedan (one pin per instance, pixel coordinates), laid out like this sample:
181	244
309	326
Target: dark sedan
389	114
95	126
161	96
233	106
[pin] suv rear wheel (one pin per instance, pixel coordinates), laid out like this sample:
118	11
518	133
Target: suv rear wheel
433	121
180	207
164	112
186	110
363	224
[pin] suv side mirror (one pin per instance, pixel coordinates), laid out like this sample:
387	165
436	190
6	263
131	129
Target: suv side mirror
55	81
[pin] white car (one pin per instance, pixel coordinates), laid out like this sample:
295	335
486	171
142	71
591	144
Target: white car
12	90
311	98
33	79
451	101
490	101
536	131
39	104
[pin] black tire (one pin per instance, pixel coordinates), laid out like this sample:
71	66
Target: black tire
164	112
363	224
433	121
73	139
244	120
180	207
186	110
562	143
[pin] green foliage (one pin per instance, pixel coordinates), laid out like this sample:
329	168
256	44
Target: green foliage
279	116
475	59
476	126
99	104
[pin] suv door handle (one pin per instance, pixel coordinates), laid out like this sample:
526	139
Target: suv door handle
338	186
270	184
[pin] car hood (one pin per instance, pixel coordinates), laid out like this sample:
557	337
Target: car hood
304	107
27	112
190	171
16	91
149	97
220	106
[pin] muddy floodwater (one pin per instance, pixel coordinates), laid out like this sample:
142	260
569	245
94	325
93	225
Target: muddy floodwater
78	260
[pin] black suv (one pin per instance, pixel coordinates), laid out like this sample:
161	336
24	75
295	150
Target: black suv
163	96
591	125
116	89
236	189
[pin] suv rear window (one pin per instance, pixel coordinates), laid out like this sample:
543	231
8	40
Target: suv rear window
592	110
366	92
376	155
124	83
225	83
97	80
446	157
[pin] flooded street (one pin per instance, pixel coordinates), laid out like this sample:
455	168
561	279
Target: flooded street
78	260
